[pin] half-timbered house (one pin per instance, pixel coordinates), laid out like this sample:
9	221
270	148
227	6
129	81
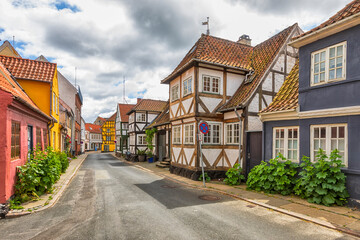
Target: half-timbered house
219	82
318	106
140	116
108	134
163	134
122	127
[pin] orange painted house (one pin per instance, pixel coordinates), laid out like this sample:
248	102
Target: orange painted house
23	126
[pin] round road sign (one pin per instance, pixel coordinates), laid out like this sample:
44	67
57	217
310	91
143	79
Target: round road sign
204	127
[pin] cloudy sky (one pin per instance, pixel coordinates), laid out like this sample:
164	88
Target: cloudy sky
139	40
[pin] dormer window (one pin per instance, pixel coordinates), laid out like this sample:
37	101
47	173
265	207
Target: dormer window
328	64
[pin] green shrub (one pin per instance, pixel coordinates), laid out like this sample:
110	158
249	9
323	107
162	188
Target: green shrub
207	178
64	161
38	175
277	176
322	182
234	175
141	152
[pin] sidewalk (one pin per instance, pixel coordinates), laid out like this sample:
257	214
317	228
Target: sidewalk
343	219
49	200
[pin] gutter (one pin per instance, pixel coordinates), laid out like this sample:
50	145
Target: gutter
202	61
32	107
297	43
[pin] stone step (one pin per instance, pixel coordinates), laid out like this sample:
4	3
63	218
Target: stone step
166	160
165	163
160	165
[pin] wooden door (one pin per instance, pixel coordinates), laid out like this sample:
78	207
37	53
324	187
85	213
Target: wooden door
253	150
162	145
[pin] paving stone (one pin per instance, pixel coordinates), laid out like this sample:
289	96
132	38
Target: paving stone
354	225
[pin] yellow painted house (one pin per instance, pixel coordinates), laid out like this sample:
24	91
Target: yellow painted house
108	134
39	80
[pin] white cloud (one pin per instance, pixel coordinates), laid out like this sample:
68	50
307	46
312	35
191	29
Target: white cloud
142	40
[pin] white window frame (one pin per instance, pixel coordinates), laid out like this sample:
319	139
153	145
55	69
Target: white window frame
176	134
211	142
328	140
232	137
286	142
140	117
175	92
187	86
141	139
327	52
189	133
211	84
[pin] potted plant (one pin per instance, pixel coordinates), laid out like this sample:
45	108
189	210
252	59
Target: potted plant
150	157
141	155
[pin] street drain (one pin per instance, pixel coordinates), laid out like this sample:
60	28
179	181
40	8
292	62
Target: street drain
167	186
209	198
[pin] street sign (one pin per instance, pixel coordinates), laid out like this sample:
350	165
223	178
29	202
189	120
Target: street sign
204	127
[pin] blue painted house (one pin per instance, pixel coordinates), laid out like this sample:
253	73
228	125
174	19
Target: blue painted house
318	105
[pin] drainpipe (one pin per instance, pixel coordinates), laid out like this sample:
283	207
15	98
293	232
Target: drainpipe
240	134
50	126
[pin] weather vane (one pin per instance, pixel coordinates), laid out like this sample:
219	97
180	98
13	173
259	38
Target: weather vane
208	27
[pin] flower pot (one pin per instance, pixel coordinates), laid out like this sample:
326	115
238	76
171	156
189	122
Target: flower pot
142	158
150	159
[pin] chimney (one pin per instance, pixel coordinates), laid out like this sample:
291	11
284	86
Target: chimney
138	100
244	39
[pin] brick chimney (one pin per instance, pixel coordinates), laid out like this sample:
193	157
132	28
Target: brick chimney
138	100
245	39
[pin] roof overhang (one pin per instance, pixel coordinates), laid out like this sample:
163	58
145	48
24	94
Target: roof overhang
191	63
290	114
329	30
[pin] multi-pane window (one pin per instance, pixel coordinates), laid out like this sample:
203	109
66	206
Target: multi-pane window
213	136
189	133
175	93
108	138
176	133
38	137
125	126
286	142
140	117
187	86
142	140
232	133
328	64
329	138
15	140
211	84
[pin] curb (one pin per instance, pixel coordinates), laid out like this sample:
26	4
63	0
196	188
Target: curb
264	205
55	197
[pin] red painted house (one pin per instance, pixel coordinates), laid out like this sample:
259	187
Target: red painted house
23	126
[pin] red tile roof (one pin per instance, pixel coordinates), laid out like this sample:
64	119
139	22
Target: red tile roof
112	118
8	84
124	109
214	50
349	10
93	128
22	68
162	119
261	59
149	105
288	95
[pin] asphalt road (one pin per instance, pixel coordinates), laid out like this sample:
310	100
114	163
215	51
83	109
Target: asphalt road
109	199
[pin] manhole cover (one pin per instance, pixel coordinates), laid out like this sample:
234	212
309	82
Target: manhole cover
209	198
167	186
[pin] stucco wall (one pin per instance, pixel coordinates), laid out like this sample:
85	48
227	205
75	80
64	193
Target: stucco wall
337	94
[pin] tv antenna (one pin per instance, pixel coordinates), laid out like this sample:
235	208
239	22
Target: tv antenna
207	23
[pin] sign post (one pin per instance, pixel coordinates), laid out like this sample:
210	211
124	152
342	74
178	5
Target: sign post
204	129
